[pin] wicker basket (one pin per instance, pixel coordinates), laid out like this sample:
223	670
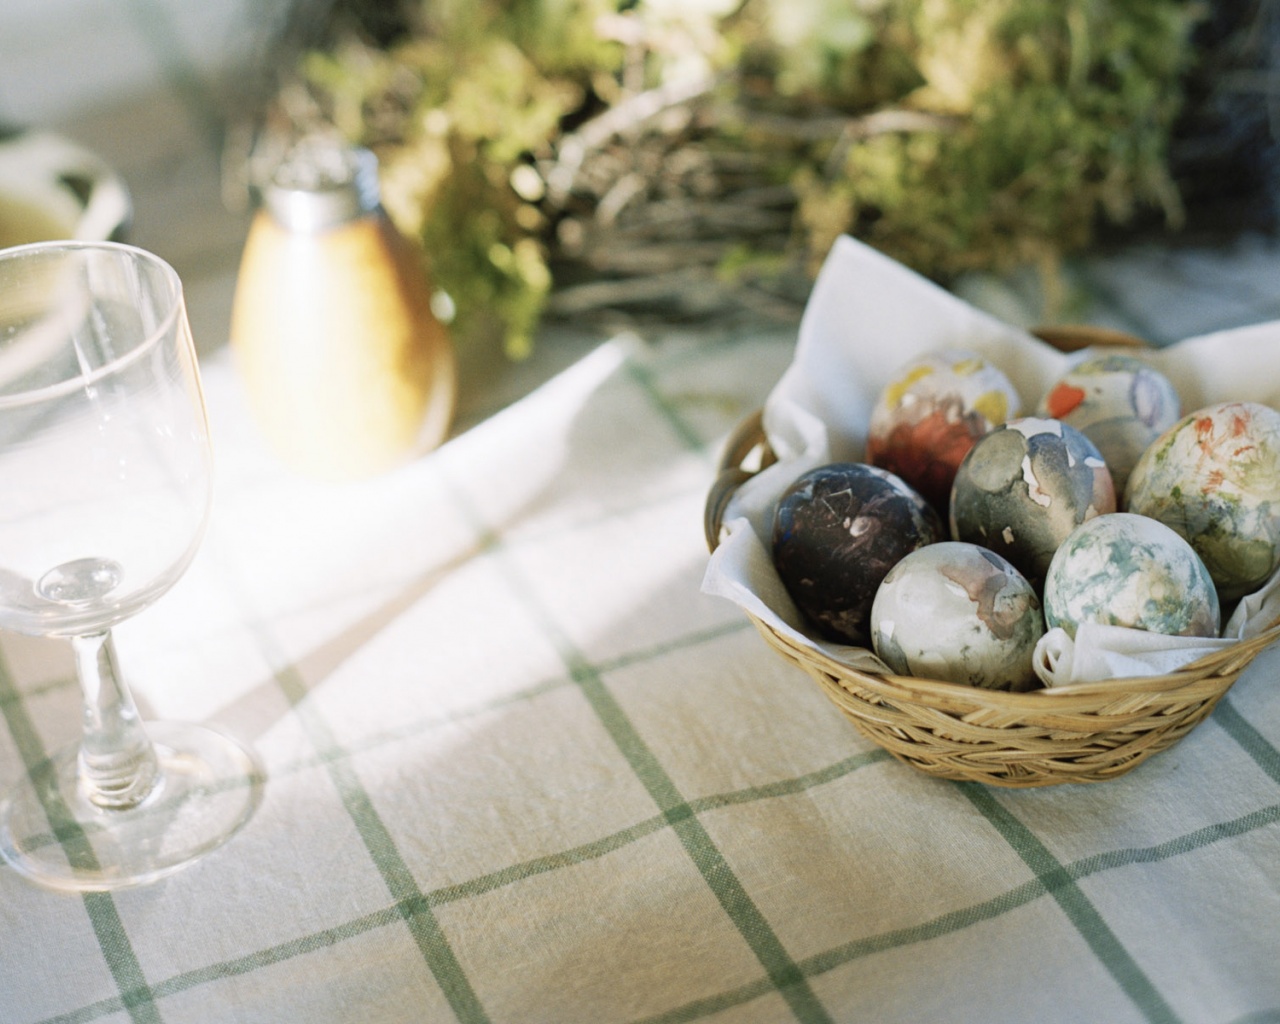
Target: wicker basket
1082	733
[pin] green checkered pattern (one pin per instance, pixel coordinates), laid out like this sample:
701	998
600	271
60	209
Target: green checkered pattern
521	770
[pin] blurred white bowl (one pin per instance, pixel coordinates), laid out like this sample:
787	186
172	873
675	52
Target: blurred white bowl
52	188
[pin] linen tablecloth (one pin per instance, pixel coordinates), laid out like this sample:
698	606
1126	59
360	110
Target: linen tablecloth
520	769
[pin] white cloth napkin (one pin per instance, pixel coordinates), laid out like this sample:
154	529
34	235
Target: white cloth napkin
866	317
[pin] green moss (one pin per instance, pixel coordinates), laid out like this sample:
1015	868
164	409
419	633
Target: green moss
1041	119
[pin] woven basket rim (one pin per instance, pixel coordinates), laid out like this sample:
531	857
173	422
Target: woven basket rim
1207	673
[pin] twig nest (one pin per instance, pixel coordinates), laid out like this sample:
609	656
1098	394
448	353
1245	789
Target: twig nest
1128	570
960	613
1214	478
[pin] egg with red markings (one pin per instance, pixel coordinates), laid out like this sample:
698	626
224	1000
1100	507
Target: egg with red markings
1214	478
928	417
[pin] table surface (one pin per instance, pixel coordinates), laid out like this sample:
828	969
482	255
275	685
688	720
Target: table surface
521	770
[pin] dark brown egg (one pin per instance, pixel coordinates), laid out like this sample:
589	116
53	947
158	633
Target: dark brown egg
837	531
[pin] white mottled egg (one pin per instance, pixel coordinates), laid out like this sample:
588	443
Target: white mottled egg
928	417
960	613
1119	402
1214	478
1128	570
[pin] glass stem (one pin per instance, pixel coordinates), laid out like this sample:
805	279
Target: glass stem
118	765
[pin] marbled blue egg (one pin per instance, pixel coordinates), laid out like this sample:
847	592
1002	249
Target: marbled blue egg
837	531
1025	486
960	613
1128	570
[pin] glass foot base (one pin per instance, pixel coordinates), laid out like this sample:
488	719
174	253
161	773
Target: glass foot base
209	787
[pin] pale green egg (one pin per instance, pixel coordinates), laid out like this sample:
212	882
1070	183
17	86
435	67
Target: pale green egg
1128	570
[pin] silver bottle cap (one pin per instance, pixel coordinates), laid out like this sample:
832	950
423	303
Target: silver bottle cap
321	184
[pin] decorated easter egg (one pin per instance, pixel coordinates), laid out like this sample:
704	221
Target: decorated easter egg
960	613
1024	487
837	531
928	417
1214	478
1118	402
1129	570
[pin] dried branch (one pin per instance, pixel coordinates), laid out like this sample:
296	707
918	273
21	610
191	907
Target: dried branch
620	119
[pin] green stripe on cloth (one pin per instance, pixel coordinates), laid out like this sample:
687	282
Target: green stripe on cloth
688	436
399	880
790	787
782	971
113	941
53	686
382	737
725	885
1260	1017
958	920
138	998
1248	738
476	887
617	840
712	1004
810	966
375	740
1177	846
241	965
1088	922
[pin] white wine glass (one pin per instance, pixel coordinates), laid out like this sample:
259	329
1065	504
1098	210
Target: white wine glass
106	481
